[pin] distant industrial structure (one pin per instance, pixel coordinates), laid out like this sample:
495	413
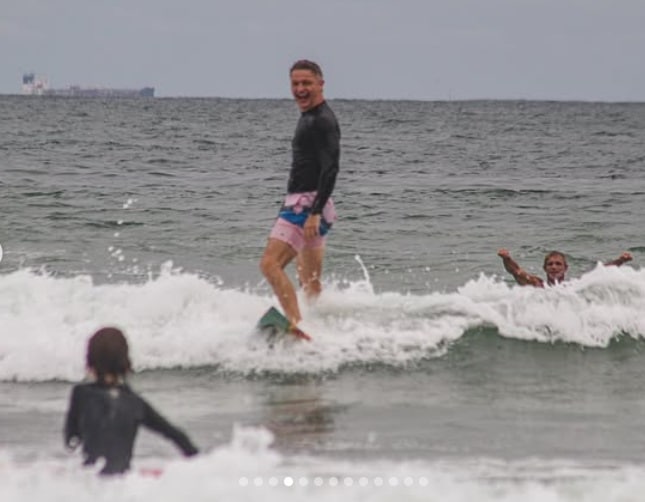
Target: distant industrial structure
39	86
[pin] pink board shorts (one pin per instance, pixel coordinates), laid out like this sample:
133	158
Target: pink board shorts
292	233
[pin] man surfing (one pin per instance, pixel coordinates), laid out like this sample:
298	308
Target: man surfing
307	212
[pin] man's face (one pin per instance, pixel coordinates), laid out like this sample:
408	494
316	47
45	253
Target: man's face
555	268
307	89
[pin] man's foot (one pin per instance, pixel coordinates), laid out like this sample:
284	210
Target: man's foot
296	331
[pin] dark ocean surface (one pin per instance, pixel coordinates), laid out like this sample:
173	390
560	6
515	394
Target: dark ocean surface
431	375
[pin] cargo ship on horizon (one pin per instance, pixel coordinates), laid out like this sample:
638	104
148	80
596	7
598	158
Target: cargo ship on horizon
39	86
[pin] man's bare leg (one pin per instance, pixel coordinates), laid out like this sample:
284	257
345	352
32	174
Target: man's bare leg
309	264
277	255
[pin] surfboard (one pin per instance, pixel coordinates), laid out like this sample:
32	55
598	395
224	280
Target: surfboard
152	472
274	324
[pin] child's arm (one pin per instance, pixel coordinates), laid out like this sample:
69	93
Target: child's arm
72	433
521	276
623	258
154	421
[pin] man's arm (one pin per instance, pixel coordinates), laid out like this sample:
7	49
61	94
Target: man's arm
521	276
327	151
623	258
327	141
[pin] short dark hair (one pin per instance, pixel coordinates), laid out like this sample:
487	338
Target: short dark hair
107	353
305	64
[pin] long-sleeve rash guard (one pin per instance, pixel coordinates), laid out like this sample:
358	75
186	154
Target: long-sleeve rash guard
105	419
316	155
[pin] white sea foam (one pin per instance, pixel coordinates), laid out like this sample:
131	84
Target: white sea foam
249	469
177	319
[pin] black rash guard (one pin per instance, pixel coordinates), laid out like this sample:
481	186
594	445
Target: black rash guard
106	419
316	155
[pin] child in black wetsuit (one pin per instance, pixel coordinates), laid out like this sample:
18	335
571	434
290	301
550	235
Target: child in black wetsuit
105	415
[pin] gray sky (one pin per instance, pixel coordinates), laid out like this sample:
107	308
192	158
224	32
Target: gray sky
372	49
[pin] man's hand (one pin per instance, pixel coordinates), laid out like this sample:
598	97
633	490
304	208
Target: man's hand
312	226
503	253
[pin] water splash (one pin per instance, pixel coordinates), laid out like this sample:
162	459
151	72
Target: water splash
179	319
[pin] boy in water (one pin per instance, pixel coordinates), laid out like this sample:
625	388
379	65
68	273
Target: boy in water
555	266
104	415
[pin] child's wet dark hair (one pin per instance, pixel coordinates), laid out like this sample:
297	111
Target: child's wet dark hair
107	353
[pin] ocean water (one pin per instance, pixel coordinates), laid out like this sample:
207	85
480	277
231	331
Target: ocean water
431	375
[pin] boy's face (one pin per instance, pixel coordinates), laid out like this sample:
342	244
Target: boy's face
556	268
